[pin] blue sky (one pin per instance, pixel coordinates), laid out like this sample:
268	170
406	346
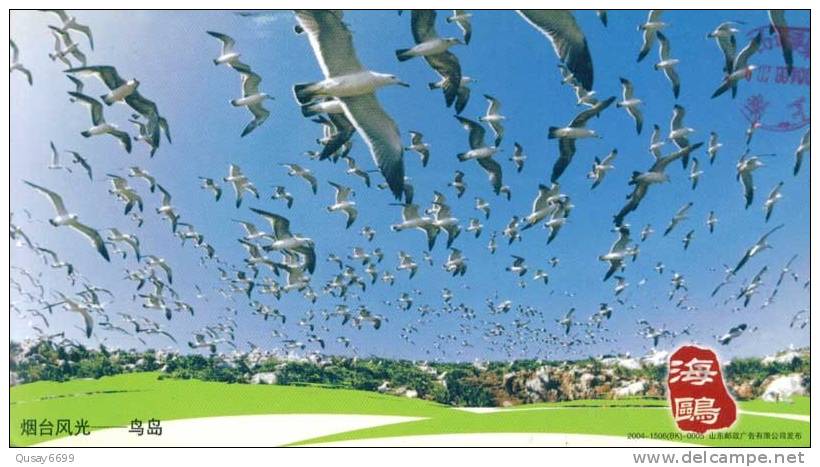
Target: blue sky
171	55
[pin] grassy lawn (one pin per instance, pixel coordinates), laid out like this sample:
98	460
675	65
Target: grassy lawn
115	401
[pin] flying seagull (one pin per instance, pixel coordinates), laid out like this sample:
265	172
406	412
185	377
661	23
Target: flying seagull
343	203
760	245
667	63
652	25
494	118
741	69
227	56
15	64
805	146
631	103
252	99
435	50
575	130
567	40
120	89
643	180
70	23
462	19
64	218
100	126
480	152
420	147
355	87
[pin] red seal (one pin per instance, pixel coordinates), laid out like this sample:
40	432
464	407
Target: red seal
697	393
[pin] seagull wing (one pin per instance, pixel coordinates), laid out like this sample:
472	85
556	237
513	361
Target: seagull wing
56	200
448	67
777	19
107	74
753	46
331	41
227	41
567	39
93	104
476	132
93	236
493	170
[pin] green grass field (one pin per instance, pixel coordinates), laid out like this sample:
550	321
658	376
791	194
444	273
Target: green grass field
115	401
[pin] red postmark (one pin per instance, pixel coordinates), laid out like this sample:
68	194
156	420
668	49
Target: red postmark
697	393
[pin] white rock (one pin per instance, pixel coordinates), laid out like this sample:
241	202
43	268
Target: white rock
783	388
264	378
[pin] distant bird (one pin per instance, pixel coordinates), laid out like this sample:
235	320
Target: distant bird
741	69
680	216
54	161
667	63
64	218
567	135
711	221
462	19
656	142
646	231
601	167
760	245
566	322
343	203
745	166
695	172
518	158
435	51
353	169
240	183
119	89
494	118
354	86
412	220
100	126
70	23
456	263
643	180
296	170
139	172
227	56
772	199
15	64
687	239
63	46
631	104
210	185
518	267
652	25
804	147
483	206
420	147
481	153
280	192
733	333
458	183
82	162
618	252
777	24
252	99
724	36
567	40
475	226
167	210
678	132
713	147
288	242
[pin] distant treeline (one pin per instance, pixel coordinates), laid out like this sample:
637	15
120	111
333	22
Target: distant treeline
458	384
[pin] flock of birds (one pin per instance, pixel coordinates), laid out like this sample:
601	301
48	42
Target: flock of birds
281	261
